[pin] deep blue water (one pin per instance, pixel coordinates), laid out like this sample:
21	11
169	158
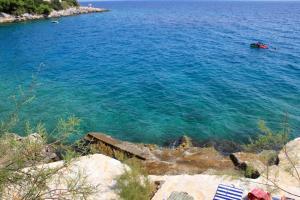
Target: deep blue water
152	71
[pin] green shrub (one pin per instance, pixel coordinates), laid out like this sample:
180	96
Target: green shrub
251	172
65	5
20	158
56	5
44	9
29	6
267	139
134	183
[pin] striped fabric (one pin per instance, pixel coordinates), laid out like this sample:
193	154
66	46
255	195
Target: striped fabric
225	192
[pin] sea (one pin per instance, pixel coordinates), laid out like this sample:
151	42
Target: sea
152	71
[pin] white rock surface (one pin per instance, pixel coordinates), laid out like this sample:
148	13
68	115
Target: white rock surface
204	187
290	154
99	171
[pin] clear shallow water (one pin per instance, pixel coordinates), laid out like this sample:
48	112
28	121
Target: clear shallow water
152	71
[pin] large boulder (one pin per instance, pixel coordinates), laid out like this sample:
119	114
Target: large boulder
254	164
6	18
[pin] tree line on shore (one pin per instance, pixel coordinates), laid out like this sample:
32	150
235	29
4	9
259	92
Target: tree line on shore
19	7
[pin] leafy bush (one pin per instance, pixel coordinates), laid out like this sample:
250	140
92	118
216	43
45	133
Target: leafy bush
29	6
267	139
251	172
56	5
134	183
22	175
43	9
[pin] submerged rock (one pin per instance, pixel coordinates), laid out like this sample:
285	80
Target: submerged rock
187	161
182	142
226	147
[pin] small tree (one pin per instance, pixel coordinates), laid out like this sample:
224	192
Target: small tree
267	139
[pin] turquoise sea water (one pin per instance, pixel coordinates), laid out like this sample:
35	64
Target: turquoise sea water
152	71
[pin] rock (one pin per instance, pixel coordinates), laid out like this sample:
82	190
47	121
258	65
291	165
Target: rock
252	164
27	15
203	187
2	14
269	157
226	147
185	142
99	171
182	142
187	161
75	11
289	158
48	152
35	137
285	174
6	18
158	160
151	147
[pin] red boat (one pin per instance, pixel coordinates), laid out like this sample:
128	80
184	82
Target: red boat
259	45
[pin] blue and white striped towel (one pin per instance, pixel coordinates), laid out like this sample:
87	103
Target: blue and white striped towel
225	192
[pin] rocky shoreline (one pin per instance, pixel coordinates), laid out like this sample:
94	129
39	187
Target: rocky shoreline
6	18
183	157
183	169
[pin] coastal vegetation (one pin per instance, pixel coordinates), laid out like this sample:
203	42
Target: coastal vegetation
268	139
134	184
22	159
19	7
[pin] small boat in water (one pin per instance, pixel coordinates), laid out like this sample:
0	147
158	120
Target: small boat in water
55	22
259	45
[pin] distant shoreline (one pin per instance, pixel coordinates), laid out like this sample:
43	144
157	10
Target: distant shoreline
7	18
